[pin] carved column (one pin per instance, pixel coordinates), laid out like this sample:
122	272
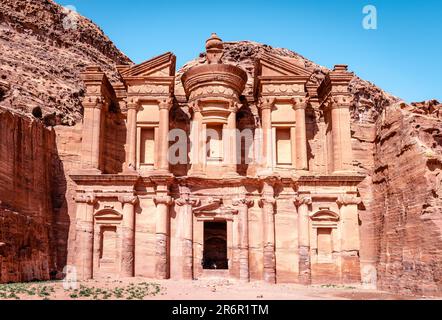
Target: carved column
230	150
350	239
266	105
128	242
302	203
132	109
84	241
162	236
341	135
197	141
339	104
301	134
186	218
92	127
267	204
243	205
165	105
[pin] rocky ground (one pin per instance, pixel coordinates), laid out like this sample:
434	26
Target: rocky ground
210	289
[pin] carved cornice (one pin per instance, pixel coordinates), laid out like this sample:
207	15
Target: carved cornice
87	198
302	200
166	200
348	199
130	199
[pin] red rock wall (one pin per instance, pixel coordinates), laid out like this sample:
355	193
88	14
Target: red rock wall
407	202
27	239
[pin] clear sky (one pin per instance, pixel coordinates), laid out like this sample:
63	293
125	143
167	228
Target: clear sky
402	56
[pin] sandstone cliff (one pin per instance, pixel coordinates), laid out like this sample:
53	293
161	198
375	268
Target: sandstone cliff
28	247
43	49
407	193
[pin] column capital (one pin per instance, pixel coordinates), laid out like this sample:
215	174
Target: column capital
235	106
93	101
266	103
348	199
299	103
194	106
267	201
187	201
165	103
131	199
88	198
302	200
243	202
167	200
340	101
132	103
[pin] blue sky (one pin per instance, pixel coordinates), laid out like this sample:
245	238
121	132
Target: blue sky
402	56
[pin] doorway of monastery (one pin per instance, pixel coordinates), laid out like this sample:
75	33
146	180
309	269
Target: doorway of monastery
215	246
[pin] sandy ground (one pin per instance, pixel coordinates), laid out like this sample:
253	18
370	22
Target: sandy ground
208	289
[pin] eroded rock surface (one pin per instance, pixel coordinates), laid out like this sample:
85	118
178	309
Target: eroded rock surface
43	48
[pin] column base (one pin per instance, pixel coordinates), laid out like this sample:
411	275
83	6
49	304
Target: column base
230	175
266	172
80	172
344	172
197	174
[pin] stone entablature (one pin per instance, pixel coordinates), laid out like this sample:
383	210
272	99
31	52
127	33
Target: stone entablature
283	223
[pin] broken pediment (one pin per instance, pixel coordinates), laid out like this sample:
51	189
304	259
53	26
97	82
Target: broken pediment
160	66
280	77
273	66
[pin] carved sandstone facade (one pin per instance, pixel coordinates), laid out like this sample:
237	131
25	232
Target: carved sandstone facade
247	211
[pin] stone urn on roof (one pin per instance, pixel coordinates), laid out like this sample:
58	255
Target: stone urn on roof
214	79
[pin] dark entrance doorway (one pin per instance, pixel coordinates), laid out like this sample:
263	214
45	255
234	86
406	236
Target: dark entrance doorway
215	246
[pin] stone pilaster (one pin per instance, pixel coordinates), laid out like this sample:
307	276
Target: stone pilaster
230	143
266	106
350	244
267	204
197	142
162	269
129	203
165	105
302	203
243	205
131	155
339	105
186	218
92	130
84	241
301	134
